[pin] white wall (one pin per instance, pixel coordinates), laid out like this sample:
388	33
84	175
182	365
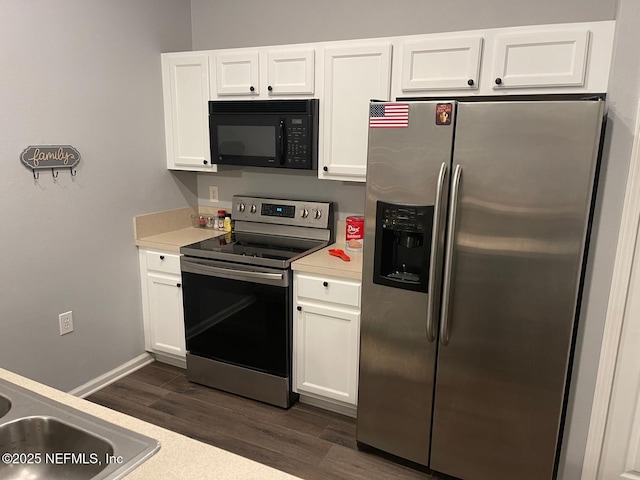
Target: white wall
349	197
244	23
85	73
240	23
622	100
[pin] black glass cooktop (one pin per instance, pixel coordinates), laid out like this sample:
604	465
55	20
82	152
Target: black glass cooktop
271	250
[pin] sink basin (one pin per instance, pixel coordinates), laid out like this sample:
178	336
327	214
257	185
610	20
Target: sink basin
52	439
49	440
5	406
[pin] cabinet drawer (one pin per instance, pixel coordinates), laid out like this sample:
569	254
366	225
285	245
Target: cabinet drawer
163	262
328	289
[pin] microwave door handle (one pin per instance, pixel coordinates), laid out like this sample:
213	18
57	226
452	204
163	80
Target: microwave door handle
282	142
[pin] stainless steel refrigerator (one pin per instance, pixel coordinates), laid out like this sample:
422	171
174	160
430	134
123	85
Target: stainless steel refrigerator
476	224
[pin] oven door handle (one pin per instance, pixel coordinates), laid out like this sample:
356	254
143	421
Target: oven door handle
204	268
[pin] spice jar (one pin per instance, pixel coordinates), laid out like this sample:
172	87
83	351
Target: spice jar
202	222
220	220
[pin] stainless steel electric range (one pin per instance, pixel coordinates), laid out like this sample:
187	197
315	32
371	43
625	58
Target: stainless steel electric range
237	292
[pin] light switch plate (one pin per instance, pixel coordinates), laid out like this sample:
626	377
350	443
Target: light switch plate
213	194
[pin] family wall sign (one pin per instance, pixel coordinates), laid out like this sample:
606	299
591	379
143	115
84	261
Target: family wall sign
38	157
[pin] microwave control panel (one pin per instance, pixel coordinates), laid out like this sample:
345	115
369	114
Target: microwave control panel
298	140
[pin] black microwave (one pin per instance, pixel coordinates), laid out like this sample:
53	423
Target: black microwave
264	133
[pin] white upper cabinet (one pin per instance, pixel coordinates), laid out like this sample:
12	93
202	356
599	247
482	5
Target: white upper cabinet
346	75
541	59
237	73
264	72
185	78
290	72
440	64
354	74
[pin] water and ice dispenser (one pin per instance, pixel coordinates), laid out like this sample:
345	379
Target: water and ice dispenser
403	246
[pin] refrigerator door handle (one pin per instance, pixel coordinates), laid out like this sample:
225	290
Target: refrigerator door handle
448	259
435	251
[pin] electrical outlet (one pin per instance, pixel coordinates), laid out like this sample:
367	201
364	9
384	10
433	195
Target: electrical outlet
213	194
66	322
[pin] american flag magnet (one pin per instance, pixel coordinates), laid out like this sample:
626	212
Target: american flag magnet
389	115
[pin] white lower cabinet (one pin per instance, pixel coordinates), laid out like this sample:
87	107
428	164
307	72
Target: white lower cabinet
162	305
326	339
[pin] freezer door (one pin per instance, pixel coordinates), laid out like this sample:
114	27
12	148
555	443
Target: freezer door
526	174
407	172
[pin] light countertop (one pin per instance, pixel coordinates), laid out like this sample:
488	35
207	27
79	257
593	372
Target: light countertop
322	263
172	241
169	230
179	457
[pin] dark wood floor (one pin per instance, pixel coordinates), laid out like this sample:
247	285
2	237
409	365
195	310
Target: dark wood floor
305	441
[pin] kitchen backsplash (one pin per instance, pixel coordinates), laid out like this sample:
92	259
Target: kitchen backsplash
349	197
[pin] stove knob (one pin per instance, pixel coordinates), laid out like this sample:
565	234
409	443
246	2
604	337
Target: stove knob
304	213
318	214
253	208
241	207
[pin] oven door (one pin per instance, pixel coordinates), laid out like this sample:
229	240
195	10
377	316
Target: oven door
238	314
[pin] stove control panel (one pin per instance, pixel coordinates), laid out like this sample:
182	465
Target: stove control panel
283	212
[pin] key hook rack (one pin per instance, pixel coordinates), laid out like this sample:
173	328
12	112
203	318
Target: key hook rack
54	157
54	172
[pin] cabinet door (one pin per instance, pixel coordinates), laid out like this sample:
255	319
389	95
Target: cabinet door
353	76
441	64
237	74
166	324
290	72
186	91
326	352
541	59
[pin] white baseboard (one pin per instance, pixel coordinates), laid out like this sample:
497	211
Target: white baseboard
171	360
117	373
348	410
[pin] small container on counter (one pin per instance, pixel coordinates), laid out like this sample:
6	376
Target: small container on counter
220	220
354	234
227	223
202	222
211	222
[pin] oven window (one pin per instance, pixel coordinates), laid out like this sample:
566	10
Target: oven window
237	322
247	140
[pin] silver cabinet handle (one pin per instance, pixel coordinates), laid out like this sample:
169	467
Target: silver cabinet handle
448	259
435	251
